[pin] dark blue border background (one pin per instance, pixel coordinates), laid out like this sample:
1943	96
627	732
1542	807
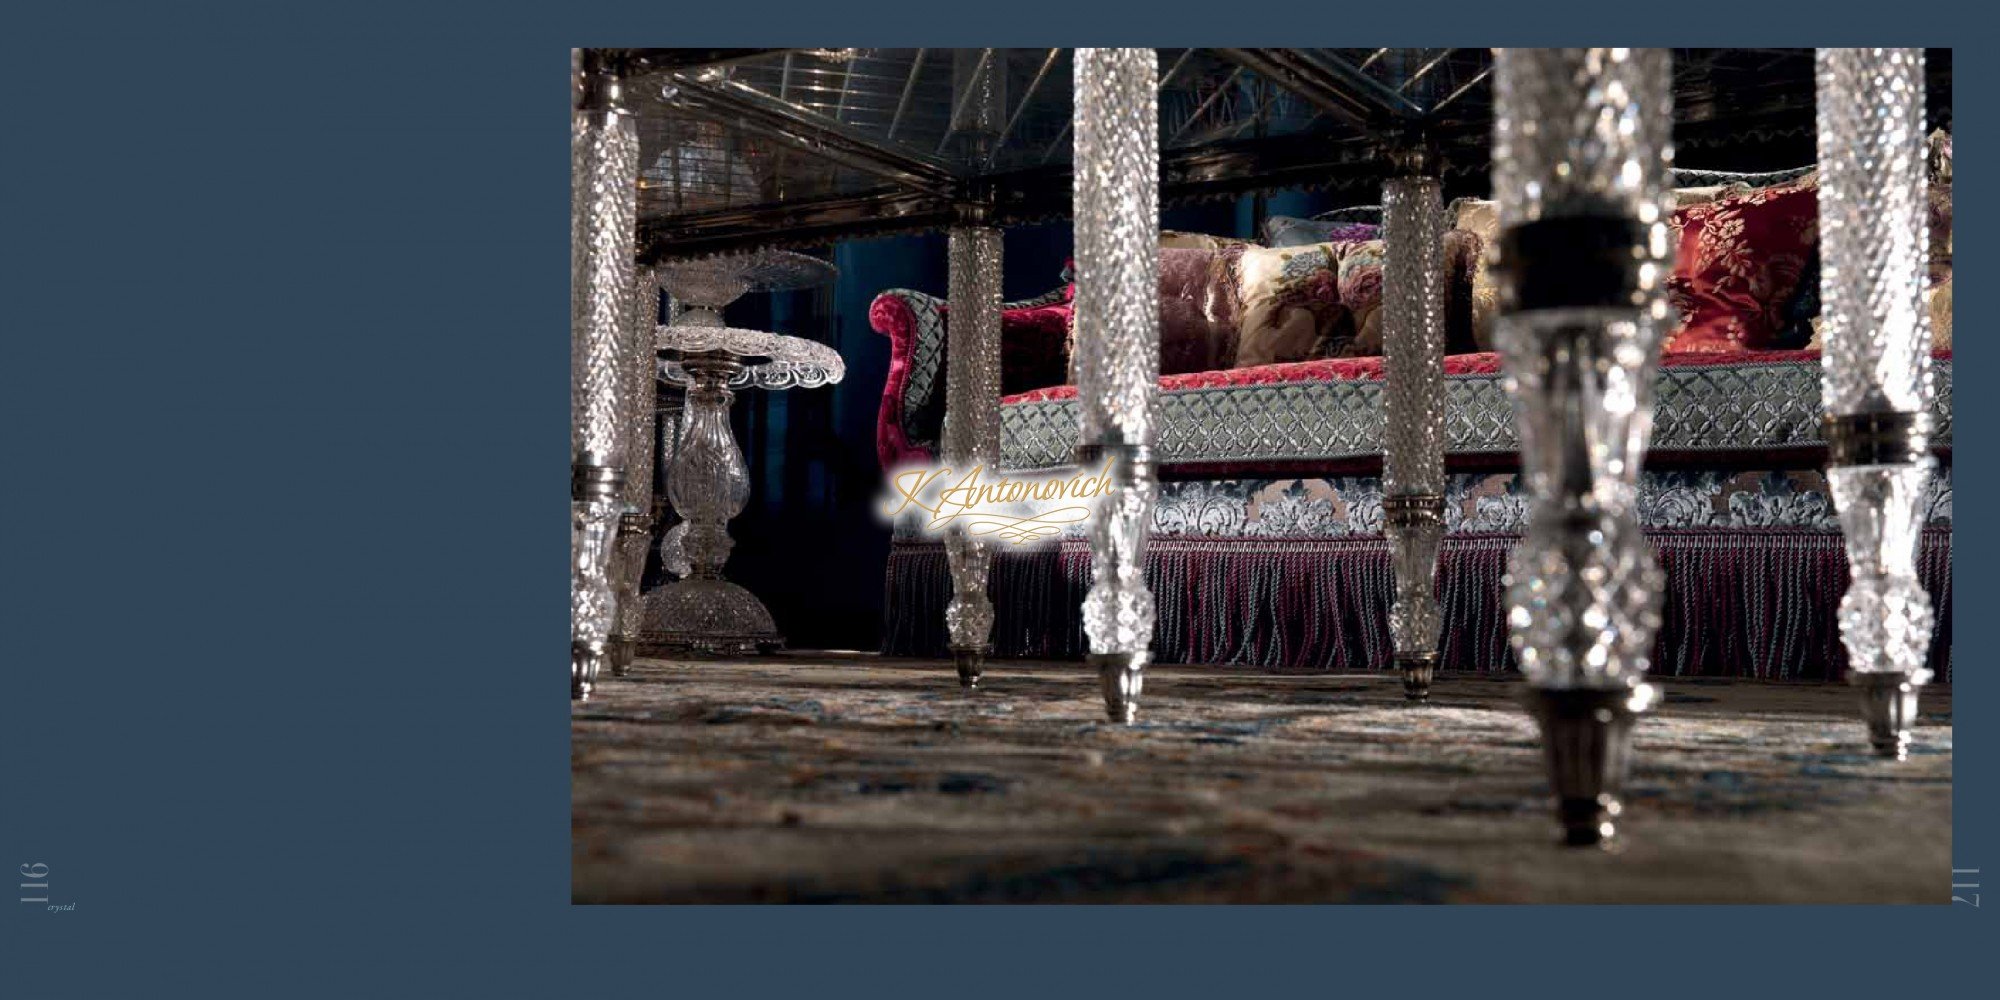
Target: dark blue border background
283	299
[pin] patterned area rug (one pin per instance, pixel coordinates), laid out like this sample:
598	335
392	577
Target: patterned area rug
813	778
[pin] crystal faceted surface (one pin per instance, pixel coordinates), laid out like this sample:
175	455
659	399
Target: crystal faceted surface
604	159
1583	132
1117	244
1583	135
1413	402
1886	616
1874	242
1874	236
701	288
638	420
971	434
593	604
709	483
1117	320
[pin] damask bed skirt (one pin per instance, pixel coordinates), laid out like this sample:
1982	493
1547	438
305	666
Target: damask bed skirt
1739	603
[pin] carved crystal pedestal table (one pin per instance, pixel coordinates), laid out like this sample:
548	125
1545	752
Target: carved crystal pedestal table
708	483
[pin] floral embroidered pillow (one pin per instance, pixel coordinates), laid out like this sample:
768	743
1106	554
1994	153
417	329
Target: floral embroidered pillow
1325	300
1291	304
1740	261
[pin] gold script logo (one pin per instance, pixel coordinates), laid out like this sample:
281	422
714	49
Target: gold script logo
1016	509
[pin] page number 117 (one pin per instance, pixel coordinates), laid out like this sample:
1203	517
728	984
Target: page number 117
1965	886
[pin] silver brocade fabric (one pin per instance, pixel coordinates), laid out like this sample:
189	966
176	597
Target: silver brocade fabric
1721	409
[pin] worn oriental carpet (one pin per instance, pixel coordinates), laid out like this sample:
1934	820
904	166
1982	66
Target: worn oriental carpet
812	778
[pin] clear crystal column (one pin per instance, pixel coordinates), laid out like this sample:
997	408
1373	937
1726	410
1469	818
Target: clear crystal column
1413	462
1877	385
635	527
972	431
604	165
1118	349
1581	165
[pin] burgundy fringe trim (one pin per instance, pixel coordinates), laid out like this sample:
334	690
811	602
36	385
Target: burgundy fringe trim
1741	603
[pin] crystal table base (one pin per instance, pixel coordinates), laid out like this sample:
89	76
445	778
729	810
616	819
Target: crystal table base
699	616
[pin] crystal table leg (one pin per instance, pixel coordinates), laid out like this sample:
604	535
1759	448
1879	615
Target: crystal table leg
1118	349
604	162
972	432
1413	462
1581	161
1877	381
635	527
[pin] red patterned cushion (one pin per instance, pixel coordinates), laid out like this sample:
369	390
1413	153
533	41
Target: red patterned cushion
1739	263
1034	347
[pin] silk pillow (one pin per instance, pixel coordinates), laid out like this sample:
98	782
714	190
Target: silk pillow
1291	304
1200	307
1740	261
1286	231
1171	240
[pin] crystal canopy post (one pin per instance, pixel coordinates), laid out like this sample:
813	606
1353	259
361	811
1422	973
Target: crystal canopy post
1118	349
1581	167
1413	363
604	174
1877	377
635	528
972	432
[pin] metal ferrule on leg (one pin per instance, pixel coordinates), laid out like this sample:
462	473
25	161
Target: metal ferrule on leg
1581	161
635	528
1873	223
604	162
1413	460
971	437
1117	320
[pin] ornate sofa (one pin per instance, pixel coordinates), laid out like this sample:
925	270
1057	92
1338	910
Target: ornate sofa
1267	544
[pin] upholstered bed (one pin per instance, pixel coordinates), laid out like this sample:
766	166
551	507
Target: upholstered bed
1267	544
